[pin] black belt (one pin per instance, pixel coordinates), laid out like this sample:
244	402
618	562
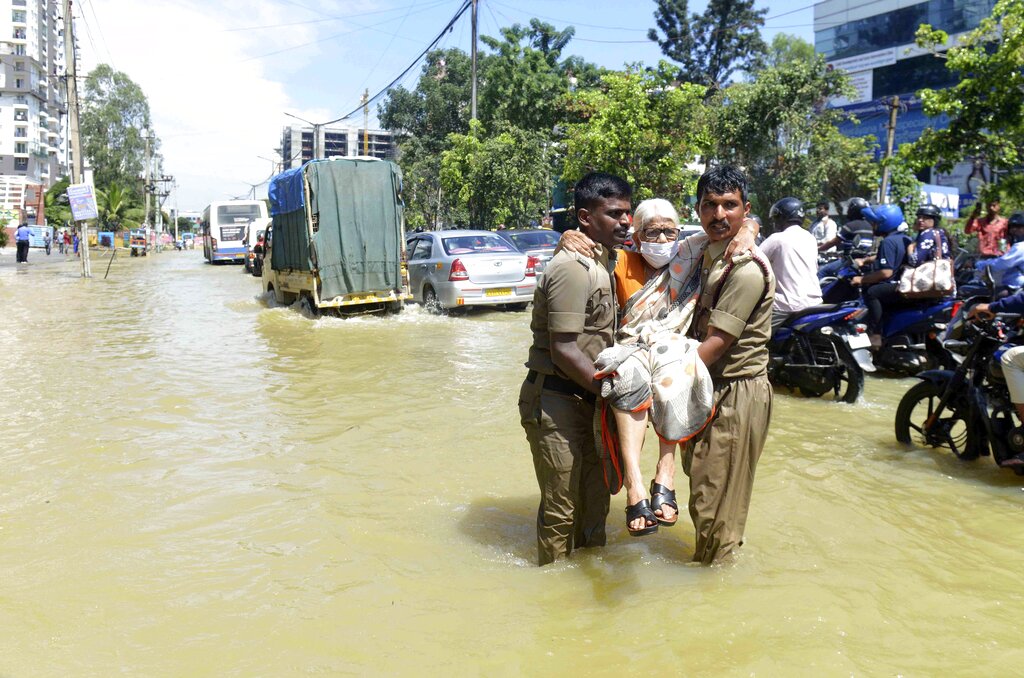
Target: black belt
564	386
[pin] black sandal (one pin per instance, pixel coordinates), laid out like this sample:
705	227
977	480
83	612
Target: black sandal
661	496
641	509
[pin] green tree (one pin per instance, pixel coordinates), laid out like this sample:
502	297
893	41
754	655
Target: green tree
786	49
779	129
710	47
56	205
115	118
118	209
640	127
985	106
501	179
422	119
525	76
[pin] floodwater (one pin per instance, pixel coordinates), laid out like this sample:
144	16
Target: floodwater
195	483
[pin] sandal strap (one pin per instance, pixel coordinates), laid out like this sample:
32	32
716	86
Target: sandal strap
641	509
662	496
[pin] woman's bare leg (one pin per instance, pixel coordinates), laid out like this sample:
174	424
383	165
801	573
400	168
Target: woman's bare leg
665	474
632	428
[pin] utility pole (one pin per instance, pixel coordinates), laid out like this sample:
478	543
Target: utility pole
147	185
894	107
472	110
366	122
73	130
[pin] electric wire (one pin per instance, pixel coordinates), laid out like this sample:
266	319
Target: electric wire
332	18
385	50
99	30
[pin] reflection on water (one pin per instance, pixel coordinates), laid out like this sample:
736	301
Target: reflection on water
196	483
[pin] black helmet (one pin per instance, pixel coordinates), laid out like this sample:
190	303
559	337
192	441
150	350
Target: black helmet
1015	228
1016	220
931	211
787	211
854	207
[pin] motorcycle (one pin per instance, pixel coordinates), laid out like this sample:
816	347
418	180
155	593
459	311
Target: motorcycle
965	406
821	349
903	328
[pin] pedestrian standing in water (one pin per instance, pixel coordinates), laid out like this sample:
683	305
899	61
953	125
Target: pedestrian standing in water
76	243
573	321
733	323
47	241
67	242
21	238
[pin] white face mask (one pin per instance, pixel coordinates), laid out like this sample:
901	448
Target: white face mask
658	254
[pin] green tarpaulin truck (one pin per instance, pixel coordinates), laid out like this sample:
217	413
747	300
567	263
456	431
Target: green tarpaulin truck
336	237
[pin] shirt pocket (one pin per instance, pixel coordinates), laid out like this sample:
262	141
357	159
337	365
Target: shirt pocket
600	307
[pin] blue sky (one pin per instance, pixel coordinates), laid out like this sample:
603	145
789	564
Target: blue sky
220	76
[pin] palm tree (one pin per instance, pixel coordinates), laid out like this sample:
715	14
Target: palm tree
117	209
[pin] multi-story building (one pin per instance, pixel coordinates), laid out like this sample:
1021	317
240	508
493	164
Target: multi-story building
874	42
32	99
297	143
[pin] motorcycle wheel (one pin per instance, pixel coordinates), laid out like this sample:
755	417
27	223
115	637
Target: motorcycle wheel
950	431
849	374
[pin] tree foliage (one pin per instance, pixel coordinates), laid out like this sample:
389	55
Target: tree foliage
985	107
710	47
498	179
641	128
56	204
114	122
525	76
118	208
779	129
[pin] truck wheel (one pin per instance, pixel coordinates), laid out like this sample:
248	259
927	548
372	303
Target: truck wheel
308	308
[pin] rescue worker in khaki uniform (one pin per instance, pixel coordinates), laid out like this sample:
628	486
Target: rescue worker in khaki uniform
733	323
573	320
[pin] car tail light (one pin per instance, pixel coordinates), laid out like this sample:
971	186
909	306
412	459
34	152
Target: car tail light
458	272
531	267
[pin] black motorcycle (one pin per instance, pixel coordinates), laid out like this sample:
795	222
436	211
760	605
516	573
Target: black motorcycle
965	406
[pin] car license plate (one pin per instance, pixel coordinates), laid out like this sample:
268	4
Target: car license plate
499	292
856	341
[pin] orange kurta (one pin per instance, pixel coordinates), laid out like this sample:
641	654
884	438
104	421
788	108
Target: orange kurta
631	272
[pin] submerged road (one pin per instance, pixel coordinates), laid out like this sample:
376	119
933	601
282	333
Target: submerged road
197	483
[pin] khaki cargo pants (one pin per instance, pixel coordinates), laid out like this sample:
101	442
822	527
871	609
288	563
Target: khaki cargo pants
721	462
573	497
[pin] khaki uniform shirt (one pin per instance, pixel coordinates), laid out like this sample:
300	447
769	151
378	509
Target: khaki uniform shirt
744	310
574	296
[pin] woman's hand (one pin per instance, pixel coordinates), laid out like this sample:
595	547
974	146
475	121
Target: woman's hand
744	240
576	241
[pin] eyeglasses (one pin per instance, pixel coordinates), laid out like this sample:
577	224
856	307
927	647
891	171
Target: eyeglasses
654	233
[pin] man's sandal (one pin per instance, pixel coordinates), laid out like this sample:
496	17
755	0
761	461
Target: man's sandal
641	509
661	496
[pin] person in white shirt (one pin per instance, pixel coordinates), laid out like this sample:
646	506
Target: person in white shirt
793	254
824	229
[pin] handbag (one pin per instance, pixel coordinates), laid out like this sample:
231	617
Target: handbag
931	279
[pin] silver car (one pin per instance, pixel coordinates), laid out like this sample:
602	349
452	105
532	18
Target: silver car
539	243
448	269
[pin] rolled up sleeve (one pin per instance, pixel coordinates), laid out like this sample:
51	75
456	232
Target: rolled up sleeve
567	286
741	294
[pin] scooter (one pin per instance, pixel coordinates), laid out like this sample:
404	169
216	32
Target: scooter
822	349
965	406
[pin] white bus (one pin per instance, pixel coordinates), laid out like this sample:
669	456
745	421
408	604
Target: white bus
225	226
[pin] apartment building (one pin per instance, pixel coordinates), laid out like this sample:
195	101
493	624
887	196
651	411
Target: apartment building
32	100
298	144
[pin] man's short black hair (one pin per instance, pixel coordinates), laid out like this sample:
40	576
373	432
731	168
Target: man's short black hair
722	179
822	203
599	186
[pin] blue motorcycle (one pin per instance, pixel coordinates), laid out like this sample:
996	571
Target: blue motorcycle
822	349
904	329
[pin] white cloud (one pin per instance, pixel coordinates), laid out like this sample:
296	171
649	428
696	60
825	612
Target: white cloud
214	107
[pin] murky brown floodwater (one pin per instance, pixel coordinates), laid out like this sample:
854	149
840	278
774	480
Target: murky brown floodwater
196	484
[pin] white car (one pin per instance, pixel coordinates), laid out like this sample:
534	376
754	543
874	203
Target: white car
449	269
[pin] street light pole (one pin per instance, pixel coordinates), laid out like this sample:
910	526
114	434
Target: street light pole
472	110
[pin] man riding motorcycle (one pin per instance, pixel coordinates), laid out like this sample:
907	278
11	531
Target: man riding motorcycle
855	237
1008	270
793	254
880	286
